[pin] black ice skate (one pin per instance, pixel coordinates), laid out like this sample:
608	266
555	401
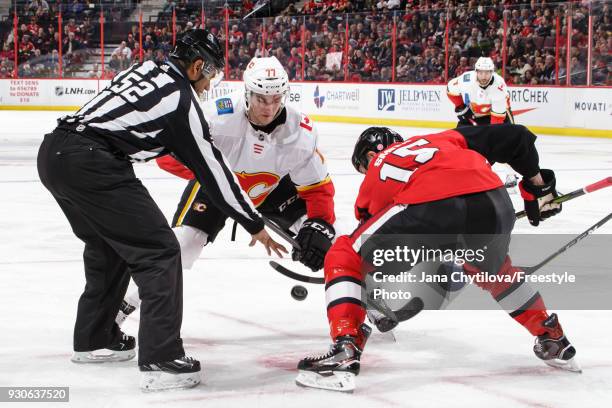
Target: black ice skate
554	348
336	369
184	372
123	350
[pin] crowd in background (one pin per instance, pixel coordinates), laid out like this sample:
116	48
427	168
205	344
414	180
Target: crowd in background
332	40
39	42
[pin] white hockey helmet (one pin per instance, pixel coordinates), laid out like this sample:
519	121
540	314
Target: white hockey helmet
484	64
265	76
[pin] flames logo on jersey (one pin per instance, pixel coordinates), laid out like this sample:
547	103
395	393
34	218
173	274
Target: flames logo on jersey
257	185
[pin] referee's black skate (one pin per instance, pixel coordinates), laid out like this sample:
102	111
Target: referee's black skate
336	369
554	348
122	350
184	372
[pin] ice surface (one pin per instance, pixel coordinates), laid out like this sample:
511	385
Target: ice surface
241	322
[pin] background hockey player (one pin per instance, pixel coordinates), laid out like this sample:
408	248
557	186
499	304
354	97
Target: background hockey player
437	184
85	163
272	149
480	96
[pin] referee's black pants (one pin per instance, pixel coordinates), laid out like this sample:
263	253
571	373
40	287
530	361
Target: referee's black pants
125	233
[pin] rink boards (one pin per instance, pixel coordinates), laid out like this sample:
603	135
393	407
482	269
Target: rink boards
583	111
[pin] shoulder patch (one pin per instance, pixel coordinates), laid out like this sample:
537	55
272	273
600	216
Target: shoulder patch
306	123
224	105
466	77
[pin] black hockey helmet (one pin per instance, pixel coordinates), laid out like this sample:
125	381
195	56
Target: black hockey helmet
199	44
374	139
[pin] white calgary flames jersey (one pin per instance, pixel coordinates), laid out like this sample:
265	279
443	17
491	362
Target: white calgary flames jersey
493	100
259	159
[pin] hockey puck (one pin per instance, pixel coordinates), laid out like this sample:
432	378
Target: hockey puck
298	292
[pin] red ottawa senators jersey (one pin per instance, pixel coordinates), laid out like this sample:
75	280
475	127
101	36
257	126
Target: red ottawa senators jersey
423	169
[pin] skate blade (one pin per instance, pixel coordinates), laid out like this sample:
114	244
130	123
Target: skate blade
161	381
567	365
389	336
337	381
102	356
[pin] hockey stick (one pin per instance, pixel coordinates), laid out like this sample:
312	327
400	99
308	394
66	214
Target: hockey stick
294	275
531	269
606	182
281	232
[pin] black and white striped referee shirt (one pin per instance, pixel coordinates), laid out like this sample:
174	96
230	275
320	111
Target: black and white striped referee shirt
149	110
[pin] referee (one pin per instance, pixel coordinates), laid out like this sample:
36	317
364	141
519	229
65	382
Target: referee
147	111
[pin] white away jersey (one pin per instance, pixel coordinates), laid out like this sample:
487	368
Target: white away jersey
494	100
259	159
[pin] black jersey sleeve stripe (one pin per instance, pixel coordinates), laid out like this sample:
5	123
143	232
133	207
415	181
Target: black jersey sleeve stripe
504	143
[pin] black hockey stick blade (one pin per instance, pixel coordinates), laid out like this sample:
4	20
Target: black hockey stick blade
410	309
531	269
281	232
606	182
294	275
381	306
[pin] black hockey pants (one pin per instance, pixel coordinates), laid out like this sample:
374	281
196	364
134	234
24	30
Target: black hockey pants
125	233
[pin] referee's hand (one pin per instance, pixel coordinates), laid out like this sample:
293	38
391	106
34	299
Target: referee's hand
267	241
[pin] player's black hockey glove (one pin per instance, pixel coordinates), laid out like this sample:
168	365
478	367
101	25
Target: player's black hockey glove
315	239
465	114
537	197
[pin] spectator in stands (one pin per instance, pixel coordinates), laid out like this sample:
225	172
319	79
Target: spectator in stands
600	73
148	43
71	45
41	40
388	4
463	66
136	55
39	8
52	63
401	70
115	63
472	47
370	64
578	72
26	48
76	8
130	41
235	36
124	55
548	72
54	44
4	73
25	71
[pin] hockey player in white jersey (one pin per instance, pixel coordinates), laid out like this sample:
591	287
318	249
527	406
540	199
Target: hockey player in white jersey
272	149
480	96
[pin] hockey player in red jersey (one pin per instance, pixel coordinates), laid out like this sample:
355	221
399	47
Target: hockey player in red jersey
436	184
